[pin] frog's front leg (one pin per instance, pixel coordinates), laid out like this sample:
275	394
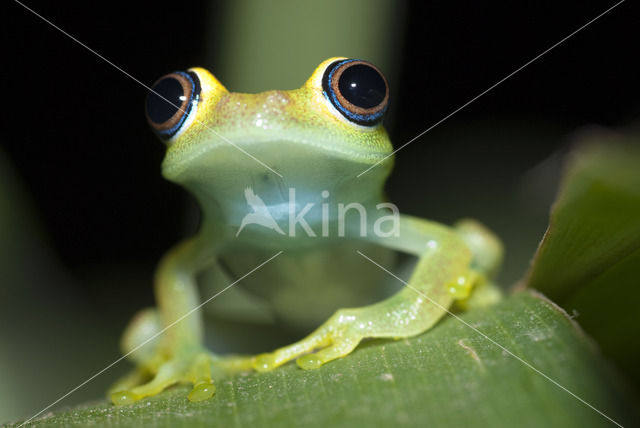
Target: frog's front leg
443	274
177	354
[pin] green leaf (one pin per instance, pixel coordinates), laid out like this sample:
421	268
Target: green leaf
449	376
589	260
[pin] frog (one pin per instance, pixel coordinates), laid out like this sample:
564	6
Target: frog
294	219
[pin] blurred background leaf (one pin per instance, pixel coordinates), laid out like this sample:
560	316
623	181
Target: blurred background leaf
42	319
589	259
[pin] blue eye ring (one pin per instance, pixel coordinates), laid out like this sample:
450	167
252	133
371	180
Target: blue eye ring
171	101
357	89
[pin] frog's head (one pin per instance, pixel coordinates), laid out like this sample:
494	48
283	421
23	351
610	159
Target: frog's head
318	137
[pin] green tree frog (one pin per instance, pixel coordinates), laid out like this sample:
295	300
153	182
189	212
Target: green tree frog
279	177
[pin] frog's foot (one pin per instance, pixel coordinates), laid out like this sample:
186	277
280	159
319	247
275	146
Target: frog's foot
189	367
485	292
336	338
157	369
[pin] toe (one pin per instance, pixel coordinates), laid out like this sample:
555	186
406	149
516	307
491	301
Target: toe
136	377
269	361
202	391
309	362
168	374
121	398
316	360
200	376
264	362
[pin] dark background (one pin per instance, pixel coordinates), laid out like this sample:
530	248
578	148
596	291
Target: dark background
73	127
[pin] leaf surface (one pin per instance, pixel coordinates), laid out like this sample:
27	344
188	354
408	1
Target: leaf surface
450	376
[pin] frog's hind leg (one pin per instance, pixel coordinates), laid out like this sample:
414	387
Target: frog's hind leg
485	246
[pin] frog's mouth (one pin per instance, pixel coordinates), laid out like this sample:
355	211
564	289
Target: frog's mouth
280	156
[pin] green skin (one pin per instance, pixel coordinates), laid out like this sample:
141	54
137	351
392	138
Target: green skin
301	136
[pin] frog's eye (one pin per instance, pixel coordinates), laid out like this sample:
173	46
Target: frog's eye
357	89
172	103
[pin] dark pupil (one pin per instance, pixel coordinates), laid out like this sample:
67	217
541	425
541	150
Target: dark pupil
362	86
165	100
